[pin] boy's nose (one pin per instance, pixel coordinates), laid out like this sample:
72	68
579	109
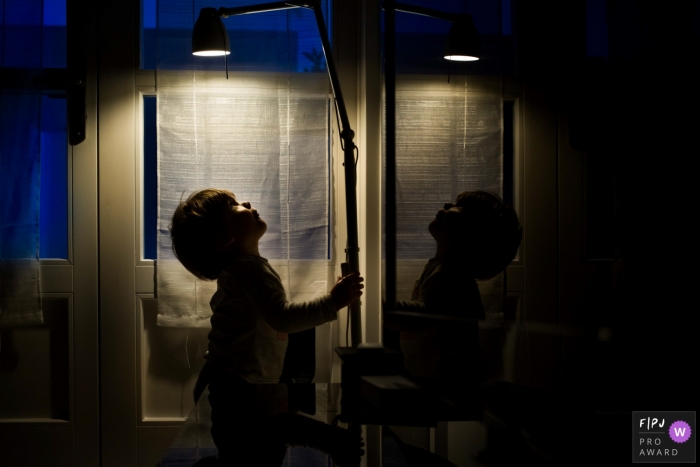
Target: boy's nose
246	204
448	205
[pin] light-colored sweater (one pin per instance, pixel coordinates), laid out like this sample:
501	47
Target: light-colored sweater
252	318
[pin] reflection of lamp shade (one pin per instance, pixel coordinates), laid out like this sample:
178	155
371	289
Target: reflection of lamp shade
462	41
209	37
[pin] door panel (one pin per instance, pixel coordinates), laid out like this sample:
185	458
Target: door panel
39	387
49	395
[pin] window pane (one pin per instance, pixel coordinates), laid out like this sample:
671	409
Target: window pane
22	34
54	34
150	178
34	33
148	34
53	217
33	36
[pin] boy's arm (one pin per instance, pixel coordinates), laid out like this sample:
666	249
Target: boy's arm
417	306
405	323
427	298
443	292
290	317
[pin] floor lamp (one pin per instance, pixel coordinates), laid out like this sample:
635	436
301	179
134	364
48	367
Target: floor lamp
210	38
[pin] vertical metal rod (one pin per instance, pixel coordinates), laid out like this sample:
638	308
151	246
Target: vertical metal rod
347	135
390	97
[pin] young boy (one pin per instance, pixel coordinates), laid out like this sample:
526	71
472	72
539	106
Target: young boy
216	237
477	236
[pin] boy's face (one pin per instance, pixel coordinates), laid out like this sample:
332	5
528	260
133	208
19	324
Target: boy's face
245	224
449	216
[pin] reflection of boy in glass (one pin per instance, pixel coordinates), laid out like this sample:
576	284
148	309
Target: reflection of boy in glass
477	236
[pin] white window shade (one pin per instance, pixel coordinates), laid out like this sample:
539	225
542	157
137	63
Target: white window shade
264	136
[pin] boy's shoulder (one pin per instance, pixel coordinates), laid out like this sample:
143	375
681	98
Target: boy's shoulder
243	266
447	266
253	273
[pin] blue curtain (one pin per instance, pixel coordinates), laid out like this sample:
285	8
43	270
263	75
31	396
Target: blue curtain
20	148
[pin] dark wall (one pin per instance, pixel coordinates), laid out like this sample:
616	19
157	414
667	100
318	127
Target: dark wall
633	118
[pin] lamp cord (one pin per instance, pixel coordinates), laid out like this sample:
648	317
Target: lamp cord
223	37
449	54
226	64
449	69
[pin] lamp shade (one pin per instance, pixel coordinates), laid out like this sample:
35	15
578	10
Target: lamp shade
209	37
462	41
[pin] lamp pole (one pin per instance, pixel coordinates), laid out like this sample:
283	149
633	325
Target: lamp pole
347	135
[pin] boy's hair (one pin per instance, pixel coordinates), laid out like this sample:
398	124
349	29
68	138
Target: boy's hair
488	234
198	231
